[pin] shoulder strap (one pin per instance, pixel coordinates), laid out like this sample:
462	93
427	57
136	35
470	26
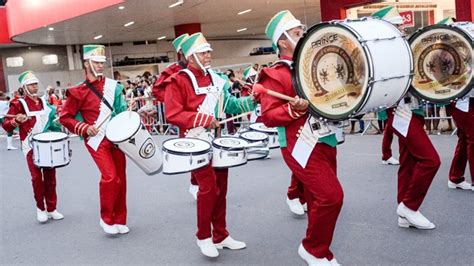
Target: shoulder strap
182	65
97	93
285	62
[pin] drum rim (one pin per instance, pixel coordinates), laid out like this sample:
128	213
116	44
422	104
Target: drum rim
254	140
49	141
263	131
217	146
140	125
470	85
187	171
224	167
370	71
53	167
185	153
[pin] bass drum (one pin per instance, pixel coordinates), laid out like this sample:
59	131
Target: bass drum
351	67
443	62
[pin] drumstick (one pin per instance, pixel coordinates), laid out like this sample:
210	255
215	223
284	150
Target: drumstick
235	117
132	101
260	89
103	121
13	116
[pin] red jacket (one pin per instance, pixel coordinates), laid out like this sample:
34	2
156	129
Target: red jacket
160	84
17	108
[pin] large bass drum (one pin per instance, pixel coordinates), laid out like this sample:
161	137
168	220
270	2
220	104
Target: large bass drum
443	61
351	67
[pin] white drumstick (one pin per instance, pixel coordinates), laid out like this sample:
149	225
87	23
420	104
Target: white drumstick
235	117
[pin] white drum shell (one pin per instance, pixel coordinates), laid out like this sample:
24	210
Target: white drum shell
223	157
272	133
51	150
257	153
177	162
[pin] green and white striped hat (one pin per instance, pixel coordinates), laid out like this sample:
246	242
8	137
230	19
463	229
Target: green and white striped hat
390	14
280	23
27	78
178	41
447	21
94	52
195	43
248	72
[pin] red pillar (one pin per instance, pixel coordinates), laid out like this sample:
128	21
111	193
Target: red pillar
331	9
3	86
187	28
464	10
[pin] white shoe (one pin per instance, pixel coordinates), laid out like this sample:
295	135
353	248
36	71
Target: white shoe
193	189
295	206
207	247
55	215
109	229
462	185
391	161
231	243
10	144
412	218
312	260
334	262
122	228
305	207
41	216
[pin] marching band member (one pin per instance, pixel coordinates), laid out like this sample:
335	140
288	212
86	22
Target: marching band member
86	112
316	165
160	85
33	115
192	97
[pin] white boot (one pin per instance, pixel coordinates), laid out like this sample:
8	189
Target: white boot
334	262
109	229
391	161
312	260
295	206
207	247
122	229
55	215
10	144
41	216
193	190
462	185
412	218
230	243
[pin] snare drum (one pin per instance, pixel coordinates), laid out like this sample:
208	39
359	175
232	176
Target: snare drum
183	155
256	152
129	134
351	67
51	149
443	62
228	152
272	133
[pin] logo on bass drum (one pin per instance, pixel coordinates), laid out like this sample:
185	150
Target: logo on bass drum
148	149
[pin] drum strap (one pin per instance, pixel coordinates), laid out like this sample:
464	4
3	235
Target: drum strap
100	96
288	63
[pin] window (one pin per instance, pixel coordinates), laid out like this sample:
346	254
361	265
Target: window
15	61
50	59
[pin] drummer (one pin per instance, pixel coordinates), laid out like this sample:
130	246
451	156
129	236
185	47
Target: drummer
89	105
33	115
191	99
160	86
323	191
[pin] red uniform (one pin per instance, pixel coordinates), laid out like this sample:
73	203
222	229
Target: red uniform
108	158
182	104
419	163
323	191
43	180
160	84
388	136
465	147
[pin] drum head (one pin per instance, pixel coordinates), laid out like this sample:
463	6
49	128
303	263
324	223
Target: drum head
49	136
262	128
229	143
186	145
443	63
254	136
331	71
123	126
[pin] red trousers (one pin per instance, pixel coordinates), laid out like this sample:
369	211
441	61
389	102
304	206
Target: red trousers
324	196
419	163
113	183
464	151
193	179
296	190
387	136
211	203
44	185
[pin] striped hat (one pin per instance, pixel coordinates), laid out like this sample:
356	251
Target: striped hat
195	43
281	22
447	21
27	78
390	14
178	41
248	72
94	52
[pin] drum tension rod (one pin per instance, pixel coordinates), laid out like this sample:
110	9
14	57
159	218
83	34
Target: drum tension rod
381	39
385	79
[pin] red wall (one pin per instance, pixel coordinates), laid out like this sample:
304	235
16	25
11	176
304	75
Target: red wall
464	10
336	9
4	33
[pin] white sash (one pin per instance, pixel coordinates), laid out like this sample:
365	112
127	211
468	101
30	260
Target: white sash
109	95
463	105
42	117
402	118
